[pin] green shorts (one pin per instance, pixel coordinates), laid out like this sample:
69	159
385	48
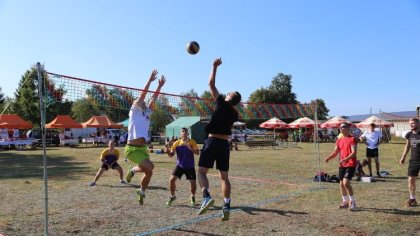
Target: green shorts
136	154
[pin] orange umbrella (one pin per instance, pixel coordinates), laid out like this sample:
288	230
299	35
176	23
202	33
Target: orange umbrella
101	122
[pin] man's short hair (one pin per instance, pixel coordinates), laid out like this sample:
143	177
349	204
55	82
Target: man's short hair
372	125
414	119
344	125
184	129
236	99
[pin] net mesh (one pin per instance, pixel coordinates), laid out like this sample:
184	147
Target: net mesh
65	88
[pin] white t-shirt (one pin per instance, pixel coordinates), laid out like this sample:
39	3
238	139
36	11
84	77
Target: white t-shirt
138	123
372	138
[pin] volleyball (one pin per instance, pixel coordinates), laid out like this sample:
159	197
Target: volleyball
193	47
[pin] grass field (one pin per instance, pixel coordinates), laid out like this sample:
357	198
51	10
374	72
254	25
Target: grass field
272	193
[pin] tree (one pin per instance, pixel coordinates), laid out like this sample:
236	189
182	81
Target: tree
322	110
2	100
279	91
83	109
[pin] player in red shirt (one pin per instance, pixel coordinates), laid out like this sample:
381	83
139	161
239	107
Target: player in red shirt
347	148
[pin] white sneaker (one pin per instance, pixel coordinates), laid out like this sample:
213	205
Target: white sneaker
352	206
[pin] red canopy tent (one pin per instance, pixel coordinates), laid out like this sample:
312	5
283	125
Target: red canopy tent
303	122
101	122
335	122
11	121
63	121
376	120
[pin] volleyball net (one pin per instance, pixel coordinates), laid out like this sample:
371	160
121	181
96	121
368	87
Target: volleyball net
60	88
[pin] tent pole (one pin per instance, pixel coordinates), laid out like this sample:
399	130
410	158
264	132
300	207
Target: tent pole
41	86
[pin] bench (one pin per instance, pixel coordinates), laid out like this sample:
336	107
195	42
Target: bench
260	143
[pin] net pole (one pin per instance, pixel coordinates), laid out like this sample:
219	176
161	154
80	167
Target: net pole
42	108
316	142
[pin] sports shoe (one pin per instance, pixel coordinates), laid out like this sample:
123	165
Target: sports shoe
352	206
171	200
123	182
344	205
140	196
92	184
130	174
411	203
226	212
207	203
192	201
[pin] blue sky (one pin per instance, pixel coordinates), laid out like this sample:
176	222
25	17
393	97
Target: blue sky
356	55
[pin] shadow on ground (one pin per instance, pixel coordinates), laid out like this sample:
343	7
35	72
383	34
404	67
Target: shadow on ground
391	211
16	165
253	210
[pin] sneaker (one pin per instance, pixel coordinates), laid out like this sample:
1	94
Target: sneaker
207	203
192	201
140	196
171	200
130	174
344	205
352	206
123	182
92	183
411	203
226	212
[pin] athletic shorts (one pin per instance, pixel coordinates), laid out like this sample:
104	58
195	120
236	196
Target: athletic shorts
413	168
136	154
113	166
372	152
215	149
189	173
346	172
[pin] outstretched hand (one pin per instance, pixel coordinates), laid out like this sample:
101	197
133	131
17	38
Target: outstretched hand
153	76
217	62
162	81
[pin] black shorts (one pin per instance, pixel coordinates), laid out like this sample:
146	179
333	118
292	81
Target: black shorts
413	168
113	166
346	172
372	152
215	149
189	173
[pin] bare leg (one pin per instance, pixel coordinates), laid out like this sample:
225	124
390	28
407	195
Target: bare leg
147	167
100	172
370	165
347	186
193	187
412	185
172	185
377	164
120	172
202	178
343	189
224	178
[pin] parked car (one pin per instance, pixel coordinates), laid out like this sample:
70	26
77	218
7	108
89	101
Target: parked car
51	136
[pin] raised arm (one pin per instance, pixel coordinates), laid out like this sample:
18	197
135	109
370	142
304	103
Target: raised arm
162	81
143	94
212	80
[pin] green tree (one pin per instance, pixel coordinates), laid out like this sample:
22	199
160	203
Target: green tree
322	110
279	91
2	100
83	109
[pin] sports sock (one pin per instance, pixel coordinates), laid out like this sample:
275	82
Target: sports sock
412	196
345	198
226	200
206	193
351	198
